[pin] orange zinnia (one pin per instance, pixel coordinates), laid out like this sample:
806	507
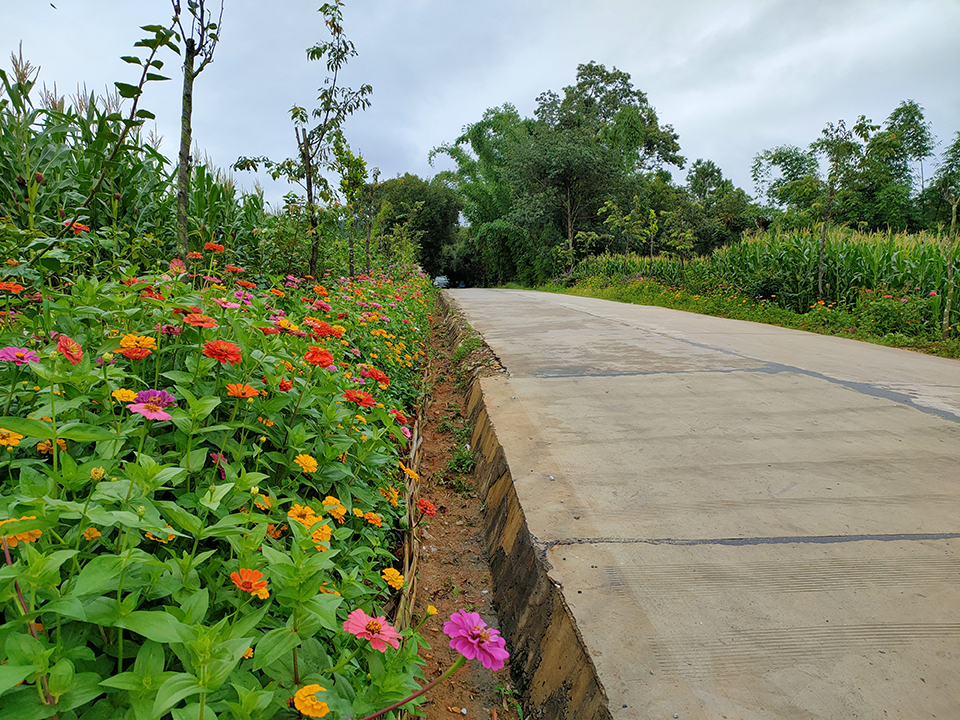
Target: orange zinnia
222	351
200	320
249	581
318	356
239	390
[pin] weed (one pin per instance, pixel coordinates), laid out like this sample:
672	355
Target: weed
466	347
445	426
462	460
509	697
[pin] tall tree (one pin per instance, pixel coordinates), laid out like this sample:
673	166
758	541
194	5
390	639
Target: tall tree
315	129
198	44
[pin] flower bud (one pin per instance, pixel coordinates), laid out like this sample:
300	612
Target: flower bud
97	474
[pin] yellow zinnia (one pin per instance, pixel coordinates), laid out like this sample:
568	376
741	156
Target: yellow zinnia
307	462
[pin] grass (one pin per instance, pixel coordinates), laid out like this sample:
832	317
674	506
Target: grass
823	318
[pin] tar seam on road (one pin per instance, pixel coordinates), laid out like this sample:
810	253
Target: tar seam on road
775	368
783	540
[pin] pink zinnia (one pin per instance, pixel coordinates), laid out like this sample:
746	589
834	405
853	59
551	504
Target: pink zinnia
470	636
149	411
18	356
375	629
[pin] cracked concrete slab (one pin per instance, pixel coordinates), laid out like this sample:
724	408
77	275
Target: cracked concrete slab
739	520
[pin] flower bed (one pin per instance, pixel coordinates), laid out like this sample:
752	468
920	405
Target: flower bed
202	496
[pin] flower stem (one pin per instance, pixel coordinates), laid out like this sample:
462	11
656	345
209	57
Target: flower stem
453	668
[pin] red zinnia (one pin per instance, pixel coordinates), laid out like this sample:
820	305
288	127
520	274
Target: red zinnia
269	330
222	351
286	385
318	356
200	320
426	507
214	246
70	349
135	353
11	287
399	417
194	256
361	398
247	284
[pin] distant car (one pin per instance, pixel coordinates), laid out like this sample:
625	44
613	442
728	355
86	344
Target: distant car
441	281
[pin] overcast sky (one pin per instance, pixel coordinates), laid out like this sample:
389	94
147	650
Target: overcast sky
732	77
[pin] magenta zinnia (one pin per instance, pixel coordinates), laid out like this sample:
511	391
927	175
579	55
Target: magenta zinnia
470	636
375	629
18	356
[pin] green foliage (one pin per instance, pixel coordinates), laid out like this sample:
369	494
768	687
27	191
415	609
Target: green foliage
131	524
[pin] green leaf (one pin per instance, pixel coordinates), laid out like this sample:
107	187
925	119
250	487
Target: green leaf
132	59
98	576
146	114
85	433
10	675
155	76
195	459
211	499
178	376
174	690
274	644
192	712
126	90
84	688
158	626
28	428
124	681
60	677
176	514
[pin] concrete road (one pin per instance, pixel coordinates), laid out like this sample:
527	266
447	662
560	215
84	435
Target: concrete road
746	521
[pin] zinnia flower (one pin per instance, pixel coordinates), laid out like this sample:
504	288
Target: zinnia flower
9	437
303	515
321	535
24	537
240	390
375	629
285	385
426	507
373	519
318	356
361	398
70	349
222	351
305	700
170	536
135	353
18	356
150	411
11	287
132	340
155	397
177	266
194	255
200	320
249	581
91	533
393	578
214	247
470	636
308	463
46	447
124	395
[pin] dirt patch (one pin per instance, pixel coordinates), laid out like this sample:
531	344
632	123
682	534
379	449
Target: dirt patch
452	572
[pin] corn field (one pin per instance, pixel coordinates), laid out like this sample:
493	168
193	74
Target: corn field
783	267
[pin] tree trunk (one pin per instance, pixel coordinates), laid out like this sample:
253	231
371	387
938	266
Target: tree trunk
570	227
369	232
311	208
350	252
186	136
